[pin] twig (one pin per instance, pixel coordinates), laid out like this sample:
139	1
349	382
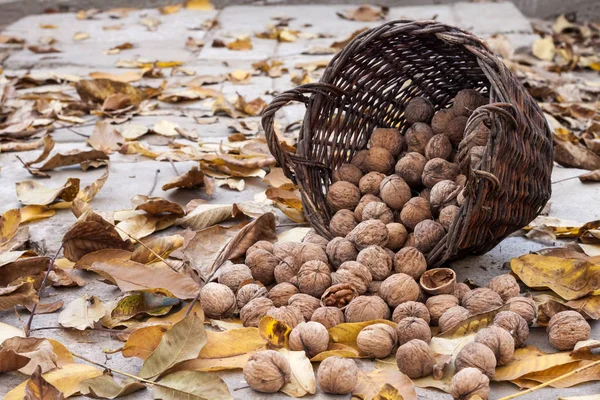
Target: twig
293	224
50	268
90	122
173	165
154	182
137	378
65	328
551	381
566	179
146	247
77	133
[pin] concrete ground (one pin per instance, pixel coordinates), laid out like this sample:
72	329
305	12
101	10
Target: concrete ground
131	175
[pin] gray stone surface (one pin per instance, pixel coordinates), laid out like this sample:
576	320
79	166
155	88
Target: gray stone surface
131	175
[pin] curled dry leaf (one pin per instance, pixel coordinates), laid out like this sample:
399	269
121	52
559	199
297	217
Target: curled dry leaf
303	379
69	158
98	90
530	359
548	305
105	387
153	302
369	384
347	333
364	13
205	215
38	388
240	43
191	385
10	360
38	351
33	192
163	246
105	138
192	179
82	313
274	332
9	224
17	295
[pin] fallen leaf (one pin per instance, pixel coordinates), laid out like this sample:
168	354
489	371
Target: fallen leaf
133	131
192	179
43	49
138	227
10	360
527	360
240	43
163	246
9	224
347	333
342	43
157	205
71	158
593	176
364	13
199	5
66	380
548	305
78	36
126	77
9	331
154	302
105	387
39	351
105	138
17	295
575	155
276	178
232	342
91	233
472	324
569	278
274	332
131	276
98	90
191	385
205	215
302	380
240	76
82	313
143	341
370	384
38	388
189	94
214	364
536	378
544	49
87	260
33	192
561	227
183	341
151	23
34	212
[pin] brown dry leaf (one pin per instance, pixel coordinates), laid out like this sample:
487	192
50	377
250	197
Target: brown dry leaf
117	49
277	179
10	360
222	106
569	278
98	90
251	108
137	148
131	276
38	388
288	201
39	351
240	43
104	255
189	94
143	341
194	178
43	49
92	233
205	215
240	76
105	138
21	146
301	79
9	224
365	13
369	385
33	192
141	225
11	40
562	227
163	246
70	158
205	80
550	304
593	176
126	77
575	155
342	43
211	247
191	385
156	205
133	131
105	387
536	378
17	295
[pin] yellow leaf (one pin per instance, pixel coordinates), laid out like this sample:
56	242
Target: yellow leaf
569	278
66	380
9	223
191	385
339	350
35	212
163	246
179	315
143	341
535	378
544	49
347	333
127	77
199	5
370	385
214	364
241	43
303	380
233	342
170	9
63	355
529	359
388	392
471	324
276	333
81	36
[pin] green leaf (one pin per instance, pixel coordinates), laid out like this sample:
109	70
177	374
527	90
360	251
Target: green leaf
191	385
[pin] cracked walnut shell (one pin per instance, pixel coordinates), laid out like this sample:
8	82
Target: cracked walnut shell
310	337
337	375
566	328
339	295
438	281
377	340
267	371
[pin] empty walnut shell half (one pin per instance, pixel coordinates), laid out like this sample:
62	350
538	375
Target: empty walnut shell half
339	295
438	281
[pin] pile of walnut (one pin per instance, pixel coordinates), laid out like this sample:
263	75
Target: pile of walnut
375	269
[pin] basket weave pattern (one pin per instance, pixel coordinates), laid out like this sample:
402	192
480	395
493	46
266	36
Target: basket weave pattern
368	84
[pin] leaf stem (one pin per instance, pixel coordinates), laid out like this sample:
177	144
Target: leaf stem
146	247
65	328
50	268
154	182
551	381
137	378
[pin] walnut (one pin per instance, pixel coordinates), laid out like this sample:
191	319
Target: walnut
337	375
249	292
439	146
438	281
314	277
415	359
307	304
262	265
397	235
566	328
377	340
394	192
414	211
452	317
267	371
438	305
369	184
291	316
499	341
342	223
379	160
448	215
261	244
444	194
460	289
410	261
347	172
455	130
426	194
310	337
366	199
354	273
410	168
309	252
398	288
438	169
441	119
254	310
514	324
368	233
374	287
283	250
232	275
411	309
410	241
328	316
343	195
525	307
476	355
217	300
466	101
339	295
286	270
481	300
377	210
281	293
417	137
505	285
428	233
388	138
468	383
340	250
313	237
366	308
359	160
410	328
418	109
377	260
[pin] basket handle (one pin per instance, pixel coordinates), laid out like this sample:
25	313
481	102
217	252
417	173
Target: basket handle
298	94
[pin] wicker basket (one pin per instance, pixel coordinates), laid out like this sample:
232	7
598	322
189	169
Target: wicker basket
368	84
